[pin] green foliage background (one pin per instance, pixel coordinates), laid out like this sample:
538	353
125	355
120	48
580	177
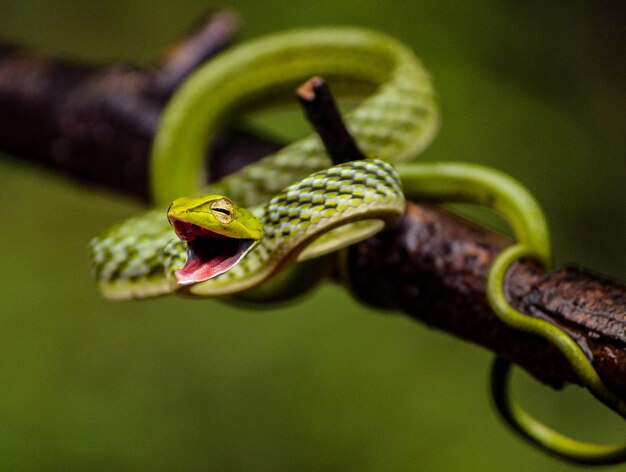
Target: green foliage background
532	88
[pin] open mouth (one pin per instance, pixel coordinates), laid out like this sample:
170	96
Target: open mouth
209	254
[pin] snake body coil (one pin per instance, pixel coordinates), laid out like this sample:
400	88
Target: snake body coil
322	210
397	119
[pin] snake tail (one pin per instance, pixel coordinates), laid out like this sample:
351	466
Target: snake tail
469	183
533	430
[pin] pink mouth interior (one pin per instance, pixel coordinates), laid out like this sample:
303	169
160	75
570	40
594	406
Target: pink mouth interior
209	254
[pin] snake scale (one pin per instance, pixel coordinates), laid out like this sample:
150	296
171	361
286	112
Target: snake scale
210	244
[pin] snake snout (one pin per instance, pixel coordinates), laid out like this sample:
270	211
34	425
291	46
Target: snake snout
209	254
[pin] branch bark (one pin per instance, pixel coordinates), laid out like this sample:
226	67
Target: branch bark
96	124
433	266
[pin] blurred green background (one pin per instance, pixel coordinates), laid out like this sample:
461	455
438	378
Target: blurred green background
534	89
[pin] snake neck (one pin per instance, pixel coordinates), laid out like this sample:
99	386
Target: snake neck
321	213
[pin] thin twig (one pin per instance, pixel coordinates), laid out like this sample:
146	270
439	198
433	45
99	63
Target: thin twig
213	33
322	112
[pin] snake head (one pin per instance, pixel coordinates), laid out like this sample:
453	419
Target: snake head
217	233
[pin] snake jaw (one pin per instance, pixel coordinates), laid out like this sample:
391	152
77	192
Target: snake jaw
209	254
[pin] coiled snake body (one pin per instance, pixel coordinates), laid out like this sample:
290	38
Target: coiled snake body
302	207
394	123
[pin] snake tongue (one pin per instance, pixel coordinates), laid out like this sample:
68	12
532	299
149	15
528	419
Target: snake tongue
209	255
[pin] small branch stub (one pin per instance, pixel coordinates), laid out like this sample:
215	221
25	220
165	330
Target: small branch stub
322	112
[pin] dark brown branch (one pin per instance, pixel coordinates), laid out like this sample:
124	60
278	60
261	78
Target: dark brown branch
97	123
433	266
322	112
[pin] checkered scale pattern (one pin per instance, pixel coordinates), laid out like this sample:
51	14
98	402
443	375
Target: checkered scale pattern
127	260
311	207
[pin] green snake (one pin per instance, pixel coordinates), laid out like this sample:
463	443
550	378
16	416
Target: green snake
292	206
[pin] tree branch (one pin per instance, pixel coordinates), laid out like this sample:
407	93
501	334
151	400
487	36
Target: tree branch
433	266
96	124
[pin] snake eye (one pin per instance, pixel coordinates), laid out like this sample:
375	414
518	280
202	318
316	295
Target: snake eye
223	210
